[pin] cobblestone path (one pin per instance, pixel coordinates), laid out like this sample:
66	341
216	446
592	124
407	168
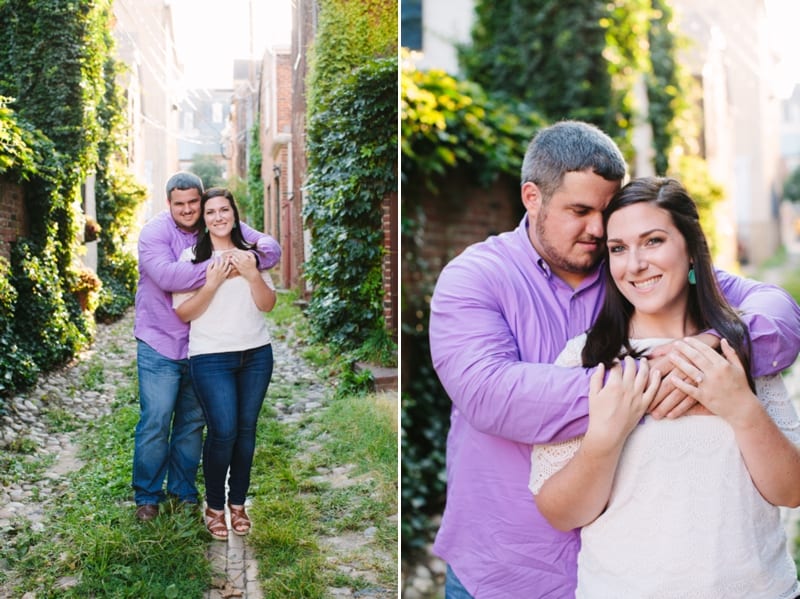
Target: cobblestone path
113	353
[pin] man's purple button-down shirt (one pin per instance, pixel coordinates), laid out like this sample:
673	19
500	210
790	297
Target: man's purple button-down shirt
499	318
161	242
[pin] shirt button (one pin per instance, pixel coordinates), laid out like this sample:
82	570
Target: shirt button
774	362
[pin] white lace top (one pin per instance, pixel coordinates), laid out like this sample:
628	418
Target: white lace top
684	519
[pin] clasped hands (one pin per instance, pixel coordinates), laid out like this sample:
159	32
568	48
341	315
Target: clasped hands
231	263
686	376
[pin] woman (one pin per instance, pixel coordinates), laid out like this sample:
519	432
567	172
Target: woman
230	356
674	507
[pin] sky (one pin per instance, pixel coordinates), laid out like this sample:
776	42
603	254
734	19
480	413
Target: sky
210	34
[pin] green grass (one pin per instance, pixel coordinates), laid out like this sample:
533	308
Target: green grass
19	462
295	510
92	546
94	376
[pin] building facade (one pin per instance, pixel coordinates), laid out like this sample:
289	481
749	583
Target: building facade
146	43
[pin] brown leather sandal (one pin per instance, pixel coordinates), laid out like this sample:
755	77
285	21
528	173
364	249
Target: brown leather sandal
215	524
240	521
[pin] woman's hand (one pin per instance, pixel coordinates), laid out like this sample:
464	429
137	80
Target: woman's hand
670	401
244	262
617	406
716	381
217	271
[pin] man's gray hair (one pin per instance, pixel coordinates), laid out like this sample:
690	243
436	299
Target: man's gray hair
184	180
570	146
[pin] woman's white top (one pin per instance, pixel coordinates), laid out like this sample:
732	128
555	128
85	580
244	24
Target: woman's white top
232	321
684	518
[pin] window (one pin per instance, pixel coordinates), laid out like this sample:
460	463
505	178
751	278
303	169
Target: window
411	24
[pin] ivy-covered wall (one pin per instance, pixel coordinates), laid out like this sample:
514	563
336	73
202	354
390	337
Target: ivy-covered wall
352	166
57	72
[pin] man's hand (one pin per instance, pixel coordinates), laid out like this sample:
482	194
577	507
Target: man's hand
217	271
245	263
671	402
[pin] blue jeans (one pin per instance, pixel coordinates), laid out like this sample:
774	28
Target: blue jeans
169	435
231	388
453	589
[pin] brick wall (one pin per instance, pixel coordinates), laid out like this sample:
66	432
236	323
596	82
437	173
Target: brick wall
462	215
459	216
13	221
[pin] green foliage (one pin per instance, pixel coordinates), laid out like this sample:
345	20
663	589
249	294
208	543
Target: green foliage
348	34
546	53
56	62
15	143
449	124
208	169
52	66
791	187
254	204
118	197
17	368
352	150
42	322
664	94
352	165
693	172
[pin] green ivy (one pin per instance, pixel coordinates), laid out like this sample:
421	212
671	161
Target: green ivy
254	203
449	124
352	167
58	74
545	53
18	370
16	153
352	164
348	33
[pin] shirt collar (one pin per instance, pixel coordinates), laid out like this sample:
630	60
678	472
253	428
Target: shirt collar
542	266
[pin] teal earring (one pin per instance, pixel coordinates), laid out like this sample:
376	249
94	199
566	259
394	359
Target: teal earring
205	230
692	277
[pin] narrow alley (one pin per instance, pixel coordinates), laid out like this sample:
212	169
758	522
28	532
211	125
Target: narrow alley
31	422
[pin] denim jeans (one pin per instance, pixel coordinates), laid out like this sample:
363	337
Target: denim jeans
169	435
231	388
453	589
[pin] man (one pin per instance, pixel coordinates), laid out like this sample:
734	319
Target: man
168	438
500	314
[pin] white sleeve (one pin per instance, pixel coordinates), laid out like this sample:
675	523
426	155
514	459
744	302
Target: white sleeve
774	396
571	354
268	279
548	459
187	255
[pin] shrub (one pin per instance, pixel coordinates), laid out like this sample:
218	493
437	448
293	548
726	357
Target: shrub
17	368
353	165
